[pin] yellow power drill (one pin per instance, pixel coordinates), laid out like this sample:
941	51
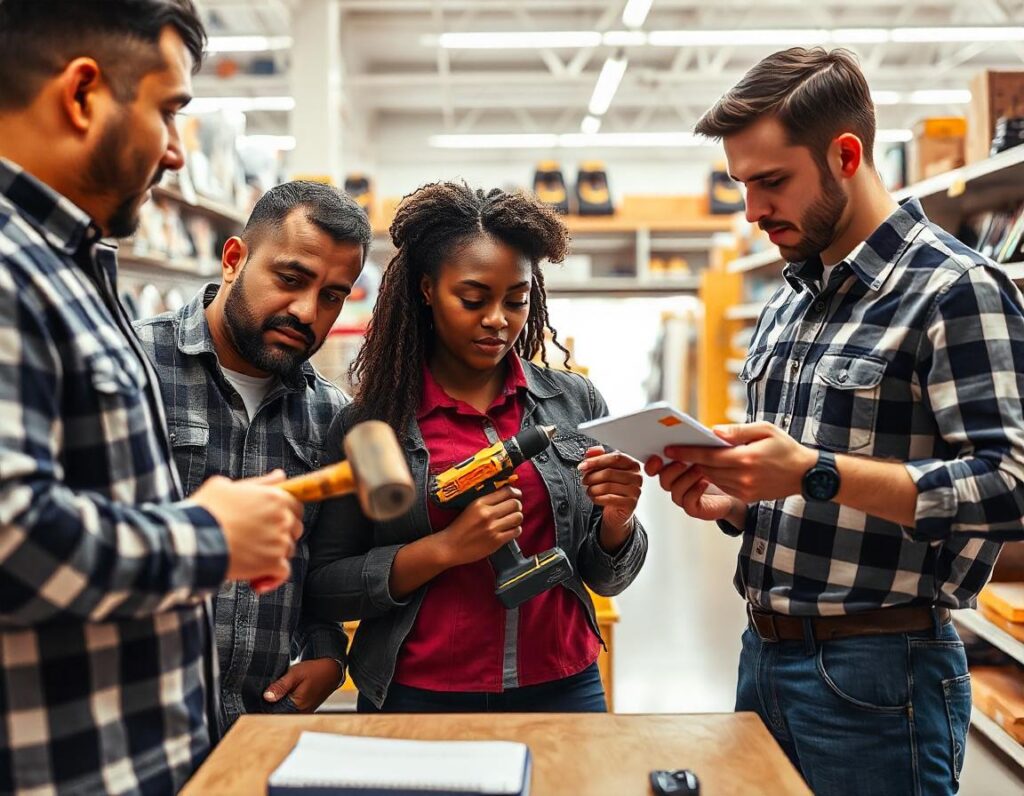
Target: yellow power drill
518	578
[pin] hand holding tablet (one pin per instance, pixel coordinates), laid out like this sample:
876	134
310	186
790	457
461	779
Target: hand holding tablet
647	432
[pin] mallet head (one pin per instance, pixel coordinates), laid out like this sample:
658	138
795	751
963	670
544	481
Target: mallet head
383	481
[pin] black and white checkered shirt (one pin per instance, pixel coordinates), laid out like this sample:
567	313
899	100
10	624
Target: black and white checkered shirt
913	352
104	627
212	434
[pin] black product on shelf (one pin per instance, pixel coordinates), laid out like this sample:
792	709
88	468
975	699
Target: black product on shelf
360	188
998	235
549	185
1009	133
724	195
592	194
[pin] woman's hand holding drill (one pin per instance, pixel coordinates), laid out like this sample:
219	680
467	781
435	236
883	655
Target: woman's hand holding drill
486	524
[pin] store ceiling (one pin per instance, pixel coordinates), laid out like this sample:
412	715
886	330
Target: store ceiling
397	72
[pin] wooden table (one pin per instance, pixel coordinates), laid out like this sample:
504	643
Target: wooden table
592	754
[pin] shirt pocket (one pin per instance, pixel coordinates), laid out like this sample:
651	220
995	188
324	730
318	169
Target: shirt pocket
190	442
844	400
752	375
301	458
115	383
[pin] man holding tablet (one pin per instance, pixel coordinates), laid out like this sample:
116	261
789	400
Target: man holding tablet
883	463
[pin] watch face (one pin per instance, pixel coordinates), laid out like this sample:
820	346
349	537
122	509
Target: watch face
822	484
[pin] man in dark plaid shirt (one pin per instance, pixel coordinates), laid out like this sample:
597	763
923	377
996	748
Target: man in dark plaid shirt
242	399
105	649
886	461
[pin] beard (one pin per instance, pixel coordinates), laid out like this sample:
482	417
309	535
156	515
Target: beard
108	173
246	331
818	224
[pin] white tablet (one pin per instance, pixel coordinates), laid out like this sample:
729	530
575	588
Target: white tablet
649	431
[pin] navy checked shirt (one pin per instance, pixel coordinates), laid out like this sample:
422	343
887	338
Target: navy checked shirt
104	627
913	352
257	636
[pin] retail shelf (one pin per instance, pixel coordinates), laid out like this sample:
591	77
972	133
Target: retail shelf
683	244
972	620
734	365
769	259
707	224
208	207
985	185
745	312
624	287
734	415
1000	737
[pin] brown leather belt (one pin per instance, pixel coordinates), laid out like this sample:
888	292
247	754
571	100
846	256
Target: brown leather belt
779	627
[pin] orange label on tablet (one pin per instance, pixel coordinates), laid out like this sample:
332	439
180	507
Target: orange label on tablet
670	421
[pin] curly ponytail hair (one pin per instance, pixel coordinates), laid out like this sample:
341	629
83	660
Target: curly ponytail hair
430	226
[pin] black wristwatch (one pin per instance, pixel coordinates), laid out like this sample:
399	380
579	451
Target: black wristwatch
821	482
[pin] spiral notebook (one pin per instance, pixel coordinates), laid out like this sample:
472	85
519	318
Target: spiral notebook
325	764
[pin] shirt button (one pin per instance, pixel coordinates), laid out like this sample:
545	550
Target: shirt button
795	365
844	376
542	457
173	436
563	507
760	548
819	307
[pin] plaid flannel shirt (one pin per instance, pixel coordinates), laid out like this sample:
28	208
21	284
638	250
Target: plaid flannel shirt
913	352
257	636
105	649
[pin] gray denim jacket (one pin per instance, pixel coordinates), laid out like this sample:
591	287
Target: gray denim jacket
351	557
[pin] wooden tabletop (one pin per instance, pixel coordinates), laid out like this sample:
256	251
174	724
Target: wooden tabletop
590	754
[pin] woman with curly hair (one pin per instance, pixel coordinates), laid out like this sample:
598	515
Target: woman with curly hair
446	362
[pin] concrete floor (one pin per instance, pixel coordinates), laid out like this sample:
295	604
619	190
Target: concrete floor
677	644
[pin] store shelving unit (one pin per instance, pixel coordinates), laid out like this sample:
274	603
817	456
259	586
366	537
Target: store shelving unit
619	249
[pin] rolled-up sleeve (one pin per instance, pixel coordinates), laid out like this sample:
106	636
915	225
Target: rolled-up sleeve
971	370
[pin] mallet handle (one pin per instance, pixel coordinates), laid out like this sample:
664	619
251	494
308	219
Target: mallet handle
327	482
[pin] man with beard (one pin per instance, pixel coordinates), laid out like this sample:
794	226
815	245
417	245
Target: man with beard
241	399
884	460
105	572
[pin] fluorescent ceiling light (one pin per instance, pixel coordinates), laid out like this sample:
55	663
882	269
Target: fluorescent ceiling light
247	44
924	97
517	41
673	139
725	38
284	143
607	84
939	35
625	38
635	12
241	104
861	35
590	125
567	140
886	97
768	37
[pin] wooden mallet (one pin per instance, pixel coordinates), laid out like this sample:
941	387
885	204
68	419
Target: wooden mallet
374	468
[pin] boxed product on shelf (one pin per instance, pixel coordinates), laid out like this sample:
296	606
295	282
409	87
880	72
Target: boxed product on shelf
937	146
1015	629
1005	599
994	94
998	692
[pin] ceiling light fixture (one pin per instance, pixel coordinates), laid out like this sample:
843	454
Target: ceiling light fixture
516	41
590	125
670	139
607	84
635	13
247	44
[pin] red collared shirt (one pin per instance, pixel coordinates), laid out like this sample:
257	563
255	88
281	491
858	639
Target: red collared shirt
462	639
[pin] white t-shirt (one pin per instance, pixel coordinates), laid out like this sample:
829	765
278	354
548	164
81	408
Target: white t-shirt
253	389
828	269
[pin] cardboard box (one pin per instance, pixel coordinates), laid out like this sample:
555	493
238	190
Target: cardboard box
998	692
993	94
937	147
1005	599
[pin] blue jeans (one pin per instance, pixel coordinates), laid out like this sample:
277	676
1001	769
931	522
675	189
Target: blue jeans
882	714
580	693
